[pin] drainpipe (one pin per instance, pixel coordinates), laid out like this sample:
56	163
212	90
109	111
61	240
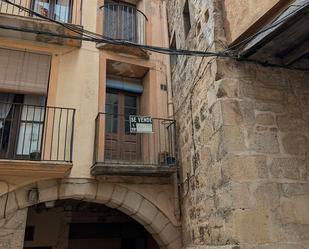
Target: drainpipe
170	104
170	107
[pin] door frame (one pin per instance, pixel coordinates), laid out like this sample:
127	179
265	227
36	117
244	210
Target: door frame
121	134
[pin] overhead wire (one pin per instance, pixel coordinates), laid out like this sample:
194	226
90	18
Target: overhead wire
86	35
91	36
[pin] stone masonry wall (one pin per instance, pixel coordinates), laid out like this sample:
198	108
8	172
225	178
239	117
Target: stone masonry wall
265	170
243	134
12	230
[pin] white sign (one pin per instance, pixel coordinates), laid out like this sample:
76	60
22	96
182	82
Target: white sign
140	124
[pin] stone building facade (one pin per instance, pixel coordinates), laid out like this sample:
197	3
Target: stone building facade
226	164
243	134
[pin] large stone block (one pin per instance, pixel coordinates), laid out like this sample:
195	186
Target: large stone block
231	112
264	119
293	189
233	139
131	203
281	246
295	233
77	188
213	247
233	196
266	195
254	226
285	168
158	224
296	144
245	168
263	93
275	107
169	234
291	123
48	190
264	142
105	192
227	87
22	196
295	209
146	213
118	196
175	245
304	169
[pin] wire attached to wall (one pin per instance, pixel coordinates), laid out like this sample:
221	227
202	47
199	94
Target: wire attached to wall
86	35
98	38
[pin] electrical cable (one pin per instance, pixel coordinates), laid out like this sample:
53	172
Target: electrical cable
86	35
100	38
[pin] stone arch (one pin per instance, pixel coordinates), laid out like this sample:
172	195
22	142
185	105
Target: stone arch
112	195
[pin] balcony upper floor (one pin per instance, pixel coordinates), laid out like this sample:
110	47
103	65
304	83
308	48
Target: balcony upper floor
133	145
124	22
35	139
66	22
38	20
137	22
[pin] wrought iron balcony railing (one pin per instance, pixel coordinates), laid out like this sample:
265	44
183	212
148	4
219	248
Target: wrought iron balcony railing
124	22
36	133
115	144
66	11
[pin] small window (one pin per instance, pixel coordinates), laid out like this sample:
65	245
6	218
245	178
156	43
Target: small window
186	18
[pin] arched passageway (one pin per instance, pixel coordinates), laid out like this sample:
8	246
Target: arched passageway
135	205
76	224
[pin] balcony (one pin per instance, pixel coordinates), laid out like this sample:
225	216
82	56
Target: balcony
124	23
20	24
35	140
119	151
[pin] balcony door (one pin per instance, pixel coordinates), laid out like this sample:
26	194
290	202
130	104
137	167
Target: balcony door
21	126
120	144
120	21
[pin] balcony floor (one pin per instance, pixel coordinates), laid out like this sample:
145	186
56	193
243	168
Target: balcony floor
132	170
34	24
35	168
122	49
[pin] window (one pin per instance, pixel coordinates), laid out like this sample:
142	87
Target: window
121	21
186	18
21	125
22	71
59	10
